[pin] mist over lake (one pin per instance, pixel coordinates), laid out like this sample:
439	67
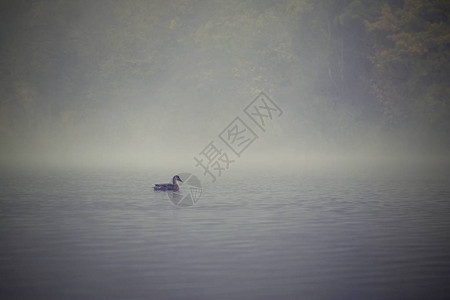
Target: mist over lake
105	234
310	140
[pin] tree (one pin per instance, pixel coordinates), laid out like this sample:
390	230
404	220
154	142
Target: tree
411	61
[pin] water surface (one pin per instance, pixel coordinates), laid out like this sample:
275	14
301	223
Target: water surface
105	234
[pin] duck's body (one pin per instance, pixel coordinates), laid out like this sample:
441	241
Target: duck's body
169	186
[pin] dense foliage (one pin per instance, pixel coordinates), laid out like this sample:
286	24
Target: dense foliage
384	64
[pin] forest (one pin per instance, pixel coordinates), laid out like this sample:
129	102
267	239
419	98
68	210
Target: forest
343	69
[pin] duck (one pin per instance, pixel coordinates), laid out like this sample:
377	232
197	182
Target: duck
169	186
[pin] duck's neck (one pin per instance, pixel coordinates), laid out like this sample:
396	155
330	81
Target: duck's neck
174	180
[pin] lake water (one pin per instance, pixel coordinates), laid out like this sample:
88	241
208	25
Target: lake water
106	234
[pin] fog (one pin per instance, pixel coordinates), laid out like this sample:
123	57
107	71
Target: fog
151	83
222	149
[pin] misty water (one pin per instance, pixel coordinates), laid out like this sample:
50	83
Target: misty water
316	234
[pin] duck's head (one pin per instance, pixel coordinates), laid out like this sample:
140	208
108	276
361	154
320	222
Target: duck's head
176	178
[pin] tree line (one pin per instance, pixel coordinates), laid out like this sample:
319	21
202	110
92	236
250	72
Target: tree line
385	62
